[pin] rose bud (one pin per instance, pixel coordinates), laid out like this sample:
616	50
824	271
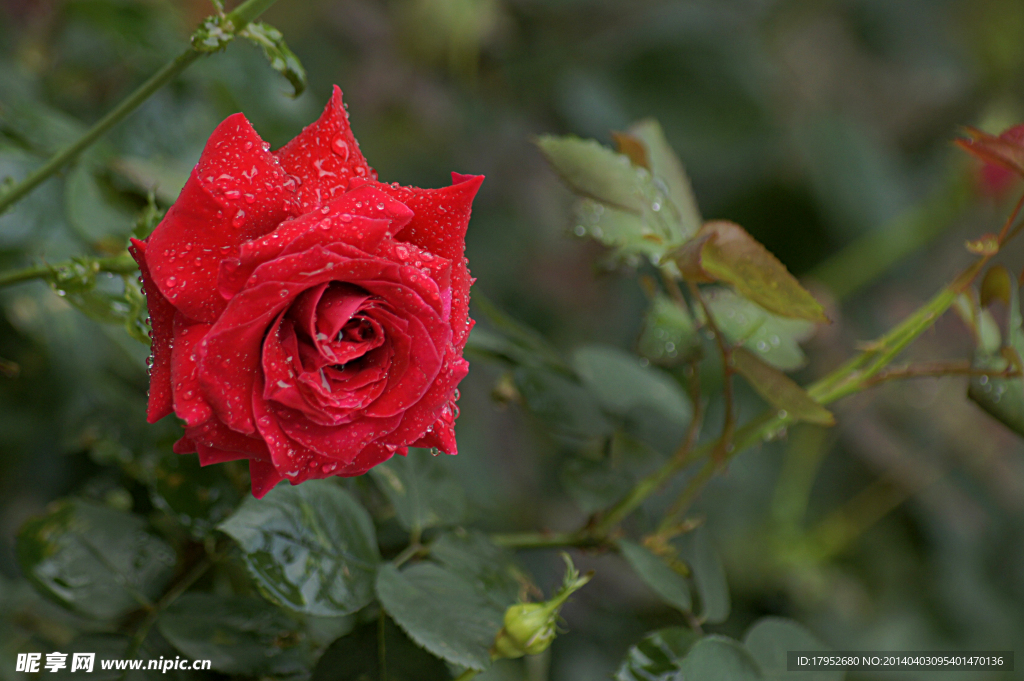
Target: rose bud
529	628
305	316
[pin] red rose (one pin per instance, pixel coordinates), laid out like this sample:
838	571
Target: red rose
305	316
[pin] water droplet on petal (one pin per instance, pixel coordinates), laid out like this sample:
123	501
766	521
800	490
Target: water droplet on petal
340	147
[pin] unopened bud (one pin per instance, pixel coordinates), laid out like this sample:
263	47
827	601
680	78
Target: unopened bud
531	627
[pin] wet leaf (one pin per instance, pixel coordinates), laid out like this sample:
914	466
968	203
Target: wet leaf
94	560
624	205
668	169
490	569
779	390
441	611
595	171
657	656
197	496
718	657
281	58
723	251
238	634
311	547
773	338
770	638
669	336
422	489
658	575
708	575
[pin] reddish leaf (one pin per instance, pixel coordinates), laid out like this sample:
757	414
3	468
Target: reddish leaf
724	251
780	390
1005	151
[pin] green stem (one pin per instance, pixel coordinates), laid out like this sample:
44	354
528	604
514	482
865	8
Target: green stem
118	264
546	540
239	18
850	378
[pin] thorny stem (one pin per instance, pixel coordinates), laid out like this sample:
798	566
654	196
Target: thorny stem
239	18
937	369
856	375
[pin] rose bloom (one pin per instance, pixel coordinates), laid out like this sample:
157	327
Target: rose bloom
305	316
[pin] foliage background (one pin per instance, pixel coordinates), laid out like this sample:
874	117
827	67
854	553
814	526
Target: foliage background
815	124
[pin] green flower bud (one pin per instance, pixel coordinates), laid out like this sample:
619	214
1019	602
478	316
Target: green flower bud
531	627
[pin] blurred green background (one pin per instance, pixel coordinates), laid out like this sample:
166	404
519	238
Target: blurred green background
823	127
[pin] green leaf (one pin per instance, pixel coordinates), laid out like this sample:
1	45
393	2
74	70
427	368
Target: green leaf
708	575
238	634
197	496
356	657
653	405
597	172
657	656
311	547
718	657
628	233
669	336
668	169
657	574
281	59
94	560
724	251
567	408
1002	398
779	390
770	638
490	569
422	489
624	206
775	339
441	611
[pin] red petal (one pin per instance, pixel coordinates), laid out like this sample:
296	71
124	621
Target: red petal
189	404
184	445
428	410
264	477
370	457
363	229
237	192
161	317
325	156
441	217
215	434
209	456
232	356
